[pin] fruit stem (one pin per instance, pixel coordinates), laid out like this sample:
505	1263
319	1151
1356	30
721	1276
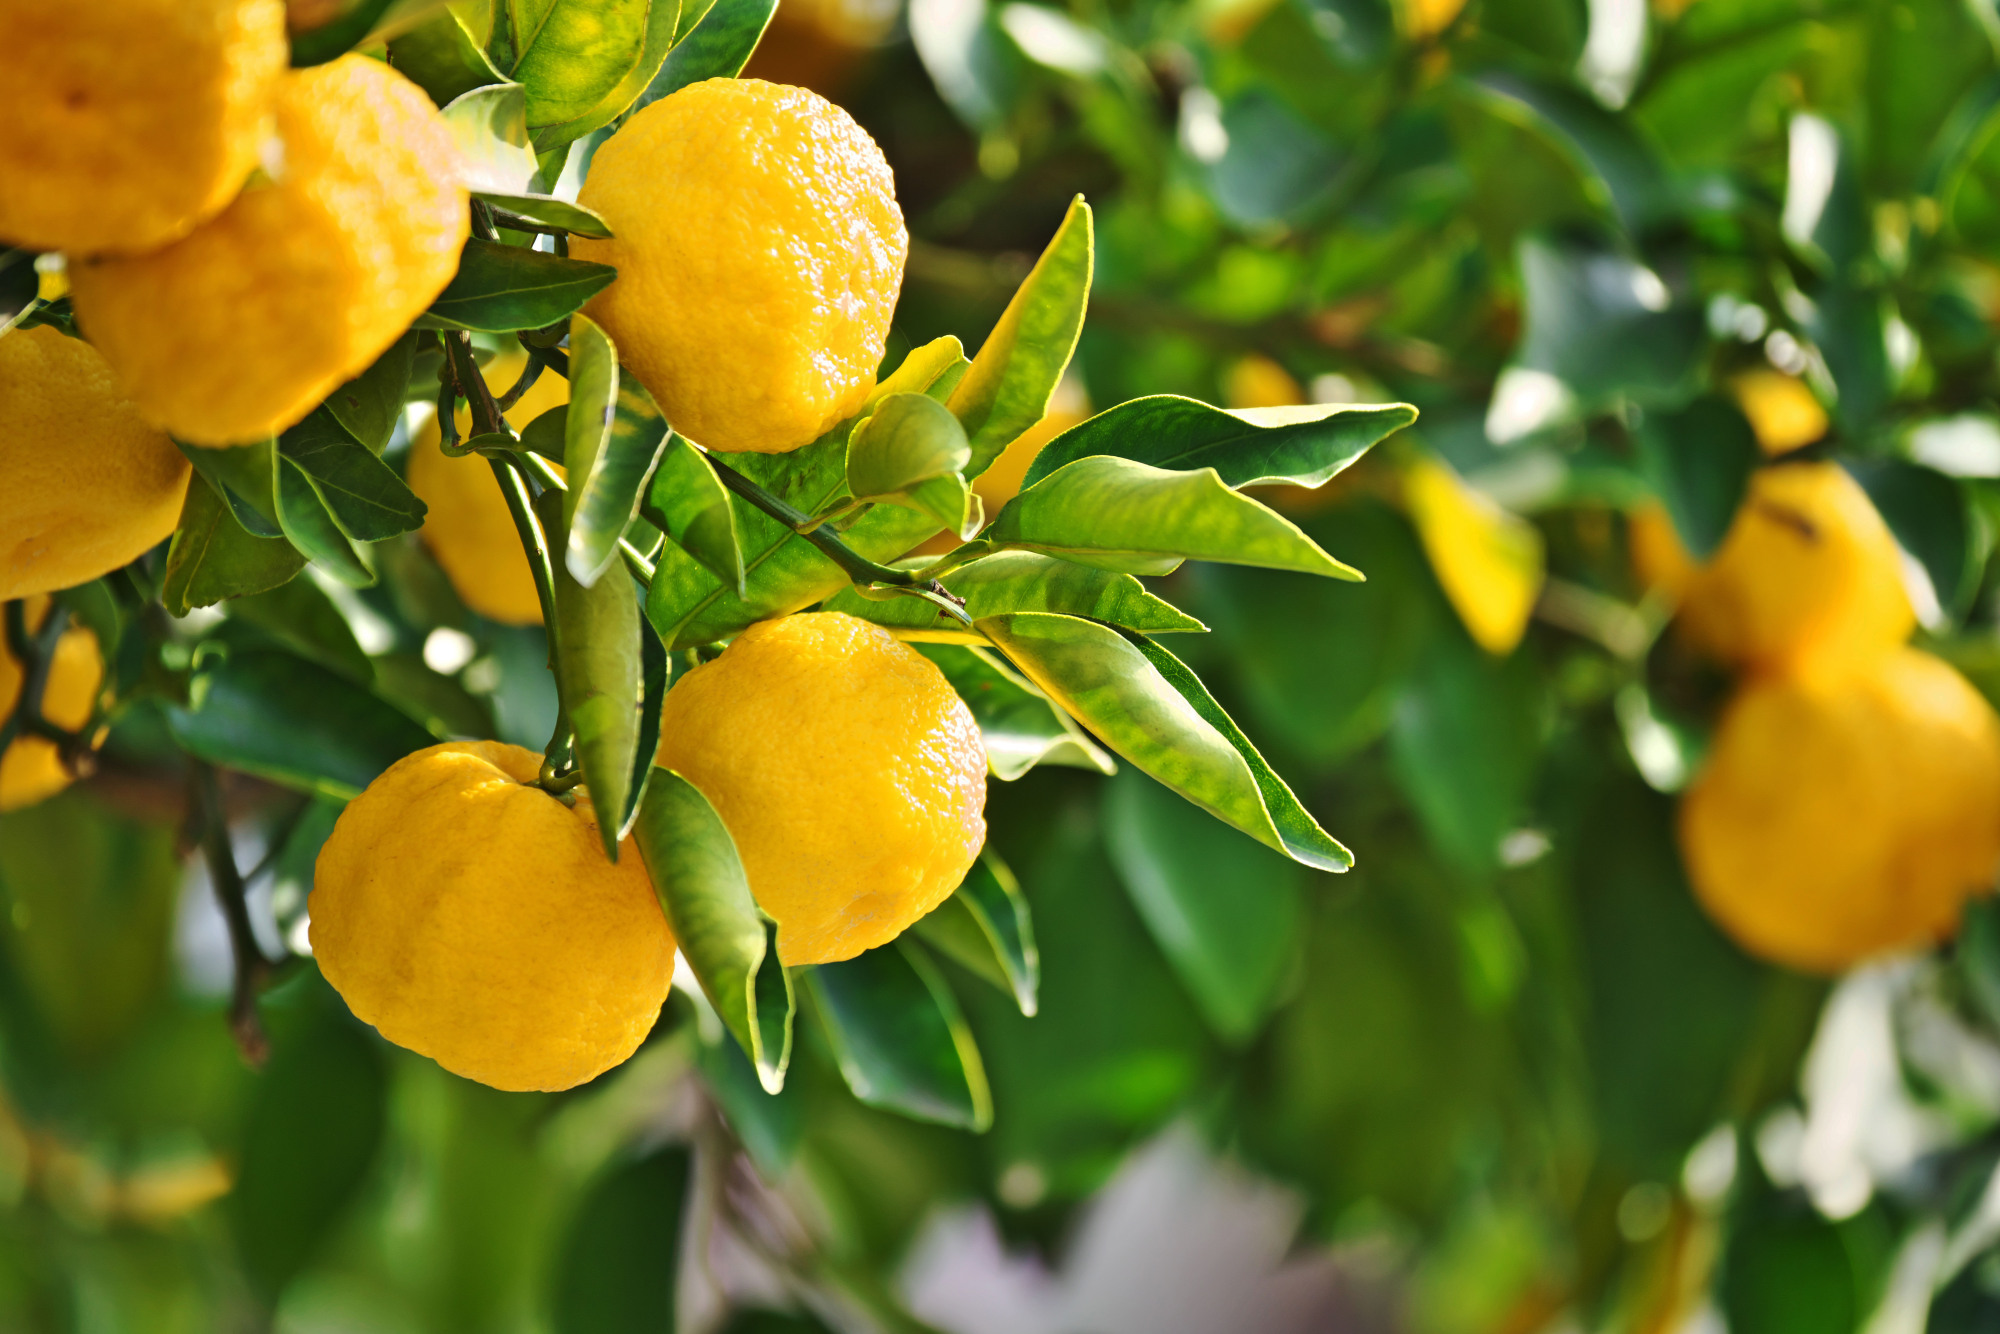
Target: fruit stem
252	968
852	563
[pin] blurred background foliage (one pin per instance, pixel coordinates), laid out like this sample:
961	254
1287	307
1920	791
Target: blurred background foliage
1503	1077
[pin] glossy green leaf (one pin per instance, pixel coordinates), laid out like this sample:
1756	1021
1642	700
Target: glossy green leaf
899	1038
1116	514
907	440
1008	388
441	57
292	721
599	672
1018	725
1226	911
1699	459
609	471
246	476
1603	324
213	557
1624	172
728	941
547	210
309	527
369	405
985	926
502	289
548	433
575	53
331	40
657	39
689	503
1023	581
655	674
1303	446
689	604
718	47
1143	703
491	126
367	498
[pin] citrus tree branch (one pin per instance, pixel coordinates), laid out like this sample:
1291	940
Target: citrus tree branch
252	968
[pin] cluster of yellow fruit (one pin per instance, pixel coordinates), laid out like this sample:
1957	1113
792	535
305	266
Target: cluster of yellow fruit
1850	802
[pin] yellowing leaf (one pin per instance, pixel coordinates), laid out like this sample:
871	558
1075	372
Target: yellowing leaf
1488	561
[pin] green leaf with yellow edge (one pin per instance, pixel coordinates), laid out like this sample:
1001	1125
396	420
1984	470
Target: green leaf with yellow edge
612	440
1302	446
504	289
689	503
1018	725
491	127
899	1038
575	53
662	17
547	210
1008	387
985	927
689	605
1143	703
728	941
718	47
599	670
1022	581
443	58
1120	515
213	557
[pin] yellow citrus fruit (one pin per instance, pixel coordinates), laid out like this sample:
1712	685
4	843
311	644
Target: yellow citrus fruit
850	775
1488	562
237	330
469	529
1808	569
1782	410
759	251
90	486
474	918
130	121
31	769
1846	810
1660	560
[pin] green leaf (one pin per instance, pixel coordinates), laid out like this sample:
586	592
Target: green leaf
369	405
908	439
1023	581
503	289
985	927
728	941
1303	446
367	498
548	433
1605	325
1131	517
1699	459
1144	704
1929	516
689	503
718	47
491	126
443	59
313	531
1018	725
577	52
329	41
662	17
549	211
213	557
782	572
615	1270
599	671
769	1125
899	1038
1008	388
1622	170
246	476
292	721
1226	911
613	439
304	619
19	284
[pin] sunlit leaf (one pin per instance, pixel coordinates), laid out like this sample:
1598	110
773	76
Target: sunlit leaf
576	53
718	47
689	503
369	405
367	499
503	288
1018	725
985	927
442	58
899	1038
613	437
1023	581
662	17
549	211
491	126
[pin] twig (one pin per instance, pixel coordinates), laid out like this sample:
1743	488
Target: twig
855	565
252	968
529	374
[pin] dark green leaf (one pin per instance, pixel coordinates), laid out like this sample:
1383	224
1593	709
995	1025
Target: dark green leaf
896	1031
1276	167
1605	325
770	1125
1008	387
1116	514
441	57
304	618
655	670
1144	704
576	53
548	433
549	211
1303	446
1018	725
246	476
1929	515
1622	170
731	945
502	288
1225	910
718	47
613	439
365	496
212	556
19	284
369	405
662	17
281	717
1700	459
491	126
1023	581
309	527
352	28
985	927
617	1270
689	503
